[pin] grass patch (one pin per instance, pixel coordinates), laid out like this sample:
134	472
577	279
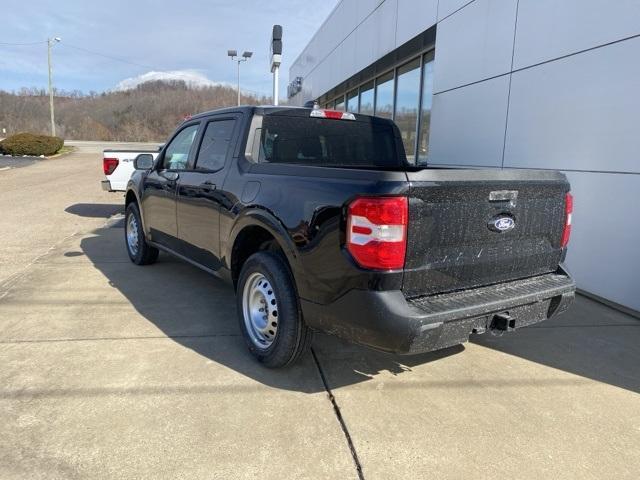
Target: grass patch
66	149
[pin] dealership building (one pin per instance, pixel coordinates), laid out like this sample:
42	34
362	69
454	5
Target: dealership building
533	84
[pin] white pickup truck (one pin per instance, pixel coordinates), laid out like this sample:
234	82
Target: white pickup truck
118	167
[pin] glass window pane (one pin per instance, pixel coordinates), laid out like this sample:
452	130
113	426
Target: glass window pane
177	152
366	99
384	96
352	101
425	114
322	142
215	144
407	101
339	103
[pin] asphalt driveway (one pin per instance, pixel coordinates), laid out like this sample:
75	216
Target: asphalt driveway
7	162
115	371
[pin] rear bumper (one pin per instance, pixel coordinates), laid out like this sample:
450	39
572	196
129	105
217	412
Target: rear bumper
106	185
388	321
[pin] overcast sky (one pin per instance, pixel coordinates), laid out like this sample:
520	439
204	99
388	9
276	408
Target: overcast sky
162	35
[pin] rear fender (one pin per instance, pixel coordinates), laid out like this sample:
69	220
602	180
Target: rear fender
261	217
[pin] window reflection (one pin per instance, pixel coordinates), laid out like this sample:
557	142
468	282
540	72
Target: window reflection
425	113
352	101
407	100
400	100
366	99
384	96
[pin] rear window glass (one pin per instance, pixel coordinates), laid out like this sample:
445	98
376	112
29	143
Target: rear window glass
326	142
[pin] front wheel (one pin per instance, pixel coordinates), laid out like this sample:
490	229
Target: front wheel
140	252
269	312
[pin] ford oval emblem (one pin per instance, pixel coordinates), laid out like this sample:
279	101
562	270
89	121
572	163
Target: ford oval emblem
502	223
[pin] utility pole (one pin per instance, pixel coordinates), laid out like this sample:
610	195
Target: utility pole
50	43
276	59
245	56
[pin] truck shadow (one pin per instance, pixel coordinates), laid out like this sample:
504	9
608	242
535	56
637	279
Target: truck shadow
95	210
590	340
198	311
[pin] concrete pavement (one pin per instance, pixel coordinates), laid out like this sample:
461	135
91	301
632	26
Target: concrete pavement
115	371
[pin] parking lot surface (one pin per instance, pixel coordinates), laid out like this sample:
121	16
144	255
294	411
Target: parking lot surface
110	370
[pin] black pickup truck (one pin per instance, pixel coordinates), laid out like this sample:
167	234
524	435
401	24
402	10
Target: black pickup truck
321	224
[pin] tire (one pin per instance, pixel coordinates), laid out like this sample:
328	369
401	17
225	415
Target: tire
265	281
140	252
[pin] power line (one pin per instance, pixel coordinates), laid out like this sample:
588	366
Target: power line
111	57
149	67
22	44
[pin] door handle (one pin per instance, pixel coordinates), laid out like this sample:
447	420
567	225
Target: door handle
208	185
171	177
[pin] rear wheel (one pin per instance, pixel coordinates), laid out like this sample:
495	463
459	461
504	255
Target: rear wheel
140	252
269	312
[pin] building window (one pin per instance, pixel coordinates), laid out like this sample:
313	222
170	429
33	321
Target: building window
384	96
339	103
352	101
425	111
366	99
407	105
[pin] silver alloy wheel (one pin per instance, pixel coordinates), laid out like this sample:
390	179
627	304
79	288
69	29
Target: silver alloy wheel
132	234
260	310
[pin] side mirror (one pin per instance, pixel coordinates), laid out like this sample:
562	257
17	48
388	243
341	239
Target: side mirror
144	161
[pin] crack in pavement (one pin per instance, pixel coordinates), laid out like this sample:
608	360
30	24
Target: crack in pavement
338	413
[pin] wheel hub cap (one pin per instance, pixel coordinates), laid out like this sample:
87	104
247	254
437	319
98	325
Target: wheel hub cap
132	234
260	310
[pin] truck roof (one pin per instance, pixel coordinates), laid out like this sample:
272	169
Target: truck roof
248	109
271	109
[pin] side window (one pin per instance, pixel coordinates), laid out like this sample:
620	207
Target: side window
177	153
215	145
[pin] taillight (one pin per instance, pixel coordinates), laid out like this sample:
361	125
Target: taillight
568	211
333	114
109	165
377	232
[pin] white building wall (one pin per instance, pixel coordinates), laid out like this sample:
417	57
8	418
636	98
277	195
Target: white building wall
475	43
521	84
374	27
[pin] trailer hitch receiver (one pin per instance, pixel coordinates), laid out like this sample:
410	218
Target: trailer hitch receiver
503	322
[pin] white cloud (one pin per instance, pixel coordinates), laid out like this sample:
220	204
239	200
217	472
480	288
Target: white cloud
192	78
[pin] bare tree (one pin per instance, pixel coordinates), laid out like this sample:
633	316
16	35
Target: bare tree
149	112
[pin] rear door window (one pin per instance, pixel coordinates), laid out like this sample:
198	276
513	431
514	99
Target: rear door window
327	142
215	145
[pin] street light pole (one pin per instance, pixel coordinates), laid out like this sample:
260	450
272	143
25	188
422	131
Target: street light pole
276	86
238	82
50	42
245	56
276	59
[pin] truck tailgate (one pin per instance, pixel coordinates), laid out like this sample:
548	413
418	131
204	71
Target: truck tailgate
123	159
469	228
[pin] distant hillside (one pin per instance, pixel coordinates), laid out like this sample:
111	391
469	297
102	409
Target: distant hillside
149	112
